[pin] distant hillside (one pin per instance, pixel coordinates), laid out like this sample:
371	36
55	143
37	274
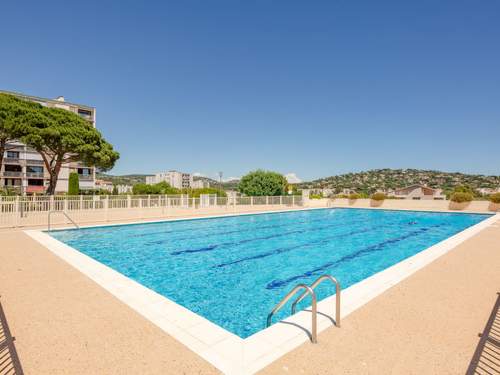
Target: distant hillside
128	179
132	179
226	185
388	179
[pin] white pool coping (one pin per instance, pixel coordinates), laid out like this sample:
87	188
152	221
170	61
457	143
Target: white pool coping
223	349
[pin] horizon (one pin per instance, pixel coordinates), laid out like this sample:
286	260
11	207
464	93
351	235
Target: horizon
319	178
314	90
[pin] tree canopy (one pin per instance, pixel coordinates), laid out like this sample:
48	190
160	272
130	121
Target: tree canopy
11	109
159	188
261	183
61	136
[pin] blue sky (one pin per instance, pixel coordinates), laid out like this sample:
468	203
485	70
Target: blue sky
311	87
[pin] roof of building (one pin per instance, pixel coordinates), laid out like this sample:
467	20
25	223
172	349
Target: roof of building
38	98
415	186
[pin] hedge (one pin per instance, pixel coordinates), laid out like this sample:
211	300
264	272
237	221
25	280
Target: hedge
461	197
378	196
495	198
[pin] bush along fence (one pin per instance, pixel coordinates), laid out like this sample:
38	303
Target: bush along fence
20	211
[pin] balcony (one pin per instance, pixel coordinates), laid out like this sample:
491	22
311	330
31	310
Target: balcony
34	162
85	177
8	160
34	174
12	174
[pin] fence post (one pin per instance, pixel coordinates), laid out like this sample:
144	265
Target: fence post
149	201
51	204
293	200
281	200
251	201
106	207
267	200
129	201
17	218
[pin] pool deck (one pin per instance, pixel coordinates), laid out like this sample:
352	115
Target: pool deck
428	323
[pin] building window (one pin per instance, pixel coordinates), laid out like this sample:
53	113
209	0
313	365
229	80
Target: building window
85	113
13	168
85	171
13	154
34	182
34	169
12	182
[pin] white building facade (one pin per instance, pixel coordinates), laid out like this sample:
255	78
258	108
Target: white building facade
23	168
176	179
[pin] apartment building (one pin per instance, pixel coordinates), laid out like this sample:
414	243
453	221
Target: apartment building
176	179
23	168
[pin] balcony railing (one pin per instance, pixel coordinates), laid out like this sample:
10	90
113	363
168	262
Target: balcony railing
85	177
12	174
34	162
8	160
34	174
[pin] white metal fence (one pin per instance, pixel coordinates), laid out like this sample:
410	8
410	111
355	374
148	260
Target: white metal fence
19	211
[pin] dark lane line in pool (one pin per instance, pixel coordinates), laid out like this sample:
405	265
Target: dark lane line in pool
236	243
230	217
373	248
287	249
257	228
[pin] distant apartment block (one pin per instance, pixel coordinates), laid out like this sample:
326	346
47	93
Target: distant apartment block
176	179
23	168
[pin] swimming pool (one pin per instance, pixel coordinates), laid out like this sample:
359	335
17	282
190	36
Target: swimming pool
233	270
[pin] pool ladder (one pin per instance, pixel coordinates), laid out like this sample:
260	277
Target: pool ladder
309	290
65	214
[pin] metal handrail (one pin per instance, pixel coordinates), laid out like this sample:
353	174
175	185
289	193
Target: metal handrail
307	290
65	214
318	281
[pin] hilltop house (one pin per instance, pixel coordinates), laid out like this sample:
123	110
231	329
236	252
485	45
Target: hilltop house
417	192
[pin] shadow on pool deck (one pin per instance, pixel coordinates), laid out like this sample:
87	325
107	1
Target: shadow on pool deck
9	360
486	358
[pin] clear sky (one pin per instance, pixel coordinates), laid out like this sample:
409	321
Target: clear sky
311	87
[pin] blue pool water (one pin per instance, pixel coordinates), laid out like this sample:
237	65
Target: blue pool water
233	270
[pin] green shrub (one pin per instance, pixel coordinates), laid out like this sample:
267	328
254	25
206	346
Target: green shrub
354	196
73	184
195	193
495	198
262	183
159	188
340	196
461	197
378	196
315	196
